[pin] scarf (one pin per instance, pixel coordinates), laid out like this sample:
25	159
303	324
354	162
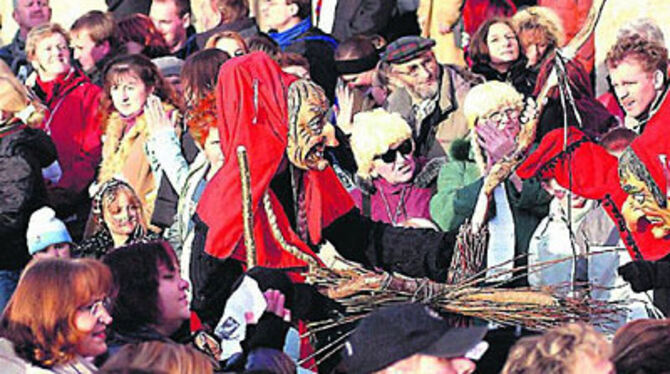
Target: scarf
291	36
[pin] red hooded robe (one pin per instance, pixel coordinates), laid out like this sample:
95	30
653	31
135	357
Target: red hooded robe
252	109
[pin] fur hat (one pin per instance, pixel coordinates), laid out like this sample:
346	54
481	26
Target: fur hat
372	135
44	229
488	97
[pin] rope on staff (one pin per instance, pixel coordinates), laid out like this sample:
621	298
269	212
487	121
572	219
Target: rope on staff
247	211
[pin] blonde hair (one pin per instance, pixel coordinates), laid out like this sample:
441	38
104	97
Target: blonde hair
372	134
554	351
168	358
542	19
40	32
483	100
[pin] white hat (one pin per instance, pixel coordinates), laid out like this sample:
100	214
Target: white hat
44	229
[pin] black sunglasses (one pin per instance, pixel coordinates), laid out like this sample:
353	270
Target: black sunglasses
405	148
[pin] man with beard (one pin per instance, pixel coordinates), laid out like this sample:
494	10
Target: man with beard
428	95
27	13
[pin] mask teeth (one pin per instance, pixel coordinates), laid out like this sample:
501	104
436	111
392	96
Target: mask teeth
255	120
666	173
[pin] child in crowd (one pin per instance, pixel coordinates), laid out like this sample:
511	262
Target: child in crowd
47	235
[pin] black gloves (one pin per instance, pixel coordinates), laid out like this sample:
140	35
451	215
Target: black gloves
645	275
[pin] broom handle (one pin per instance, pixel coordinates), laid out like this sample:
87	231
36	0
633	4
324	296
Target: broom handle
247	211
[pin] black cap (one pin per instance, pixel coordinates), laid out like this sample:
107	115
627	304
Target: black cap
395	333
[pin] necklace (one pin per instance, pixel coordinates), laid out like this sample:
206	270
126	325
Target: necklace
399	209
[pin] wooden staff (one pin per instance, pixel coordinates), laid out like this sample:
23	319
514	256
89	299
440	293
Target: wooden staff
247	211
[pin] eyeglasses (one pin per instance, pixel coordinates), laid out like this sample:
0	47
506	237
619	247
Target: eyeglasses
510	113
96	308
390	156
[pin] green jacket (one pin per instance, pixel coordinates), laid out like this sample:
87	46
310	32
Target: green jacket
528	208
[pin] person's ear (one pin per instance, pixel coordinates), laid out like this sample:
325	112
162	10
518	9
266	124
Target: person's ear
186	20
659	78
295	9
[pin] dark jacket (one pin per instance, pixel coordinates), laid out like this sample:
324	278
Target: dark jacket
122	8
23	154
353	17
413	252
165	205
528	208
317	47
14	55
518	76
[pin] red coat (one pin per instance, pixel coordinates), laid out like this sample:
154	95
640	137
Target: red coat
595	174
74	126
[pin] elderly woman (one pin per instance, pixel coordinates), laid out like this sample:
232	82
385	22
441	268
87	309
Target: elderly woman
493	112
57	317
72	121
384	150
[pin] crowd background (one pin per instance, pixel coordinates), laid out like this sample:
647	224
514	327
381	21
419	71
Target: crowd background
378	129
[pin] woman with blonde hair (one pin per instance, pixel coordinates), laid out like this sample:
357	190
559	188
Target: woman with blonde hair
24	152
72	120
383	147
162	357
540	32
57	317
118	219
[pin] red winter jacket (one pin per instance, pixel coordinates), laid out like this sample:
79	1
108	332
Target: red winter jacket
74	126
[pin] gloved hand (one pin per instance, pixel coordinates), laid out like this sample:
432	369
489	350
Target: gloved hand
640	274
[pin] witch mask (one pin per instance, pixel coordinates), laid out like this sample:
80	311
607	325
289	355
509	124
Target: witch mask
309	133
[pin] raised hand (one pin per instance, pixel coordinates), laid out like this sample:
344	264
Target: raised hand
156	117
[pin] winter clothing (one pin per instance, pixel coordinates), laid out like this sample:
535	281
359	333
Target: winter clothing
454	175
593	173
122	8
325	212
13	364
14	55
395	204
23	154
169	156
44	229
527	208
98	244
517	75
317	47
355	17
406	48
74	126
596	120
440	127
126	153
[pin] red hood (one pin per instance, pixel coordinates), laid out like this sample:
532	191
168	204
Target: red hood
251	98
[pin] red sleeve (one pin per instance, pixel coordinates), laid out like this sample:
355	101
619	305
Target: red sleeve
584	167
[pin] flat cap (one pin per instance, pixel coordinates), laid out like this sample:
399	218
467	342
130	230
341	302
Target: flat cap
406	48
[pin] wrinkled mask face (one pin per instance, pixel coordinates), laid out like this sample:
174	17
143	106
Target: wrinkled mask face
642	210
309	133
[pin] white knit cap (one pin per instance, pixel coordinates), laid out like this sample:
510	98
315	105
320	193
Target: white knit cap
44	229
